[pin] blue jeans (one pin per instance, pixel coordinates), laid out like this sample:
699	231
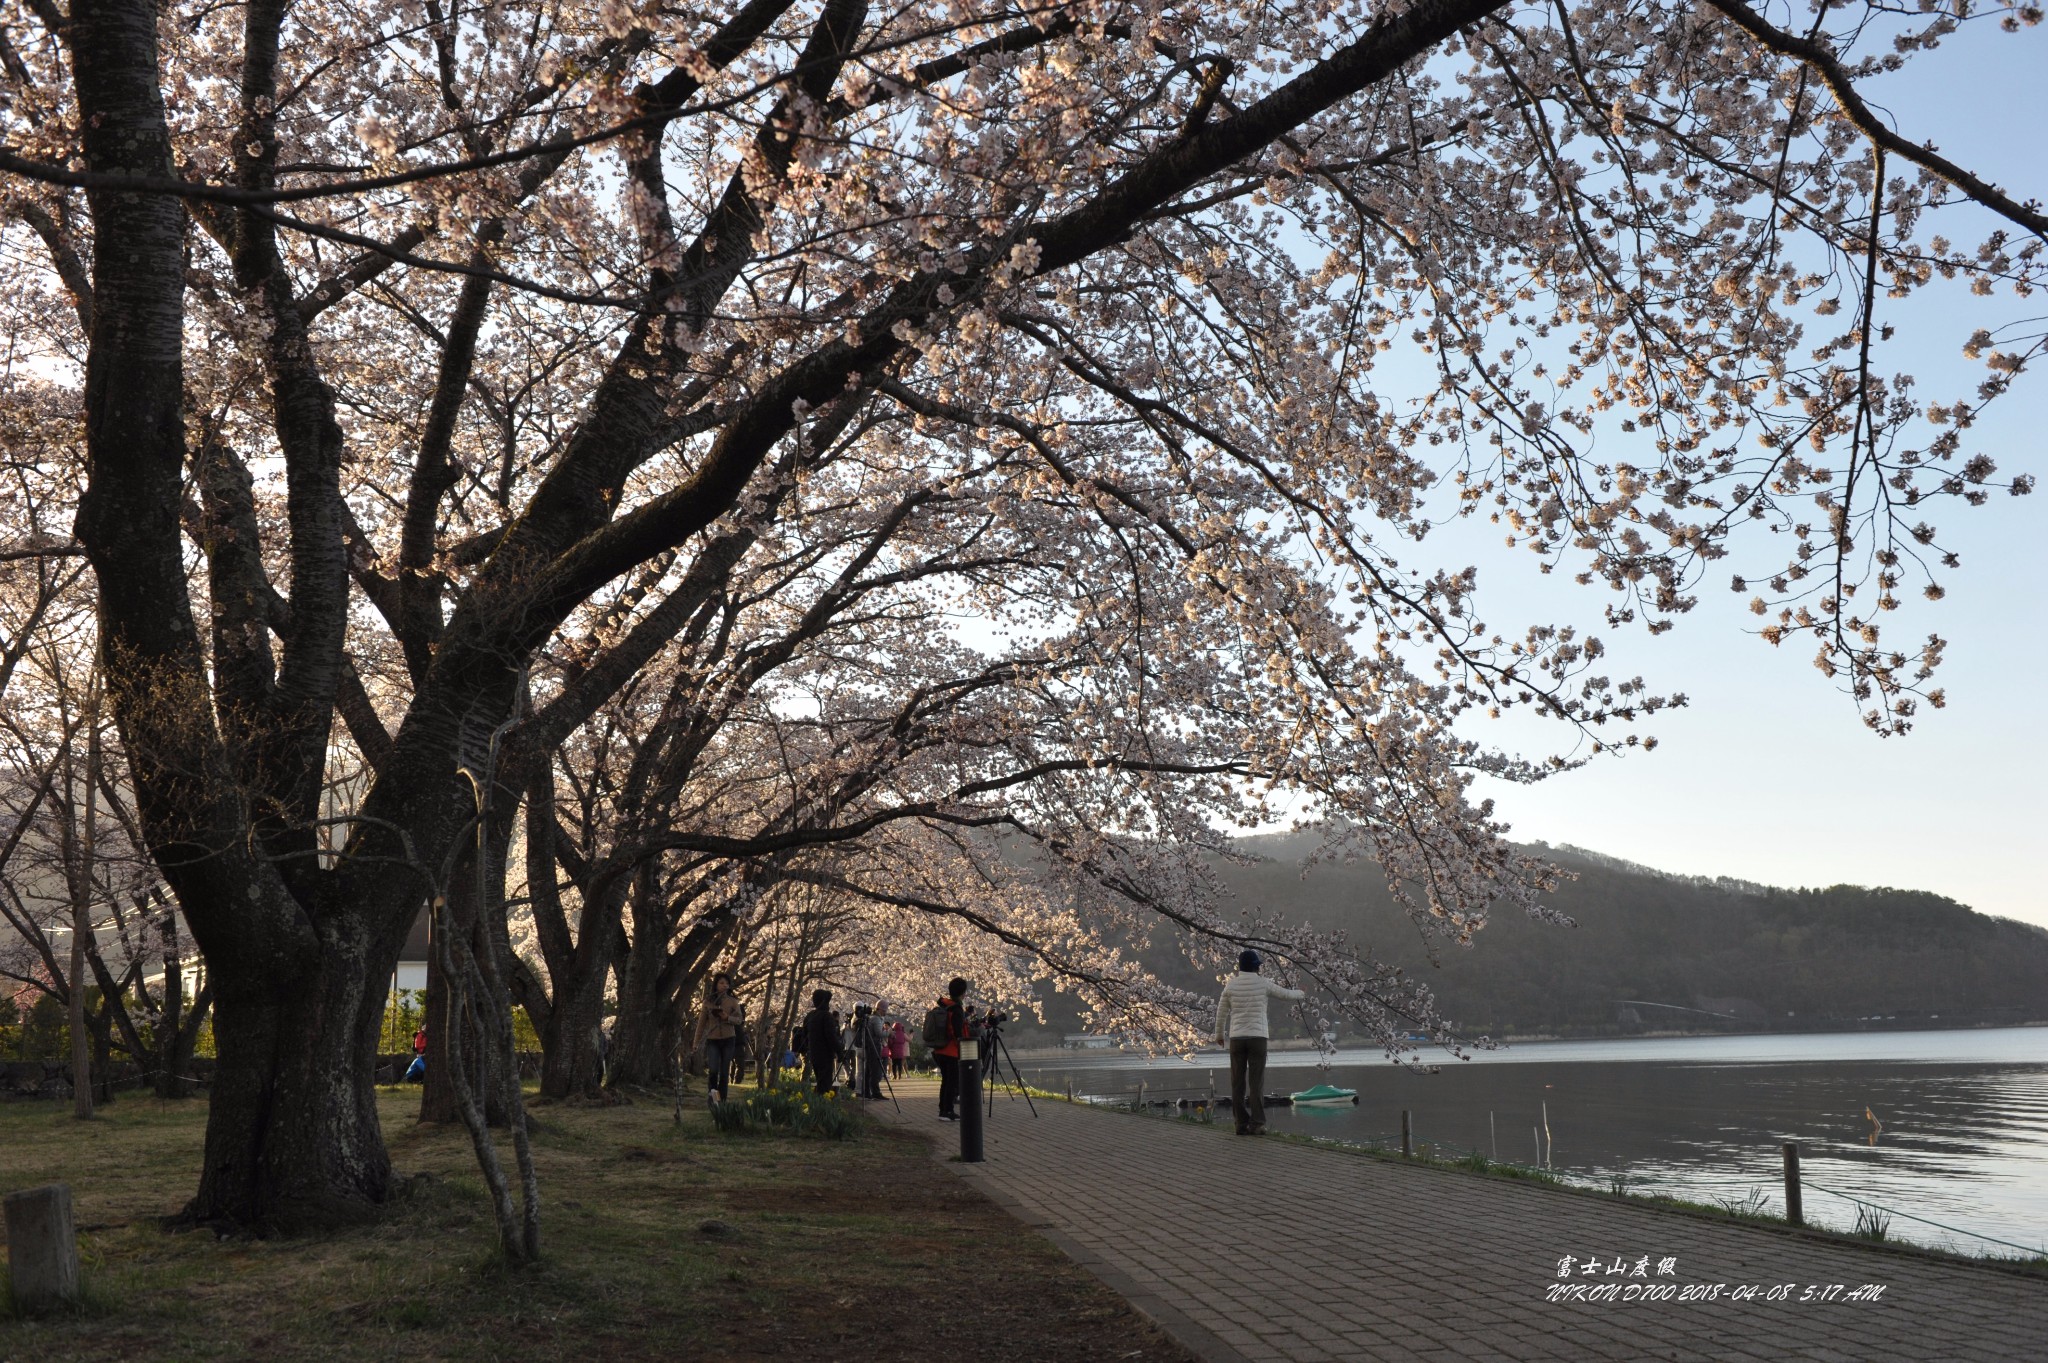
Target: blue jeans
719	1053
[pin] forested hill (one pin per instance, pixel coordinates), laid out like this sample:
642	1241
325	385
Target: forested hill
1768	958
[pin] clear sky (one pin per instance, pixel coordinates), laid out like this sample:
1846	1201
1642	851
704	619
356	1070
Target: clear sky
1769	775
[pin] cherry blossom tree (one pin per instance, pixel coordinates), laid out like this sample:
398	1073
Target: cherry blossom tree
417	341
81	908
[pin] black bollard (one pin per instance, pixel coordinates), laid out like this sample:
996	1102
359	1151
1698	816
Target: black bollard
970	1101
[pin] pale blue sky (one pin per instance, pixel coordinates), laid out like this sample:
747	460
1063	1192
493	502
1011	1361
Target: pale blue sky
1769	775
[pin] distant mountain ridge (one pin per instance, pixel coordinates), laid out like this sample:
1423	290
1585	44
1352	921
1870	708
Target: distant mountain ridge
1655	951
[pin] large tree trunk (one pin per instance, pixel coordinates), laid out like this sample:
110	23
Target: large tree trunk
292	1138
658	978
570	1015
572	1055
292	1135
572	1062
648	1030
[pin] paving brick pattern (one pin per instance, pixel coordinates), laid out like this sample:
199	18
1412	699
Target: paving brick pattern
1368	1259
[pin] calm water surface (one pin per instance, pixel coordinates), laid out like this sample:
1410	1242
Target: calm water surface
1963	1114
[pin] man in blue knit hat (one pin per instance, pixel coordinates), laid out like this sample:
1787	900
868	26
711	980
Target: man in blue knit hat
1241	1021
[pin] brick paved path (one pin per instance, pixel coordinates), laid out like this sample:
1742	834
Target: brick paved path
1365	1258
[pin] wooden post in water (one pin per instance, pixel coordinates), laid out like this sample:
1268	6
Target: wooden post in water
1070	1088
1492	1137
1407	1133
1794	1213
1141	1095
42	1248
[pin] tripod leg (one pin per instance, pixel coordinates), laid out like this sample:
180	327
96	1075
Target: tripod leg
1018	1075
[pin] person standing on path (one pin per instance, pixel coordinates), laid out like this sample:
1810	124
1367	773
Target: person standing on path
869	1041
720	1029
1241	1021
899	1048
821	1040
416	1072
944	1027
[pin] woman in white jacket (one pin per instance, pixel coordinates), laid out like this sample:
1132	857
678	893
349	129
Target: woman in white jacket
1241	1021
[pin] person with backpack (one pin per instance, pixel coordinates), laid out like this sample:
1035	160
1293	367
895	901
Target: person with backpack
1241	1020
945	1026
821	1040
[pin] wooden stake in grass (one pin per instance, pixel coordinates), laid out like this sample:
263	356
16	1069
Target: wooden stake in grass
42	1248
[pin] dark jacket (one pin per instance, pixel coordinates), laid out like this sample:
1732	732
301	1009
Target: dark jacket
821	1034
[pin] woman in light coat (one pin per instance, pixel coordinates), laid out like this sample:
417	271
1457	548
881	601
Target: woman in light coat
1241	1022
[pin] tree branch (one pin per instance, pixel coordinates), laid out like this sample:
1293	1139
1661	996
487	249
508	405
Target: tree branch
1818	56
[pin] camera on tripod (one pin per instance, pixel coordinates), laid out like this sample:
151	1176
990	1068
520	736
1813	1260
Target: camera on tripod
986	1024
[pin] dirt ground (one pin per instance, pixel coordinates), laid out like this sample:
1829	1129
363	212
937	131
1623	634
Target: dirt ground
662	1241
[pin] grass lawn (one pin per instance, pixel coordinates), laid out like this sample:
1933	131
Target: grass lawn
661	1242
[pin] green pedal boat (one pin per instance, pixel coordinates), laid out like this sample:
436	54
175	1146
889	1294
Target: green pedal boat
1323	1095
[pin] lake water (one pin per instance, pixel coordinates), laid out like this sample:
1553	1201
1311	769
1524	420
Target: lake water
1960	1138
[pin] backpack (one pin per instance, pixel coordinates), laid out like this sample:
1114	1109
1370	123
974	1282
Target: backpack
936	1032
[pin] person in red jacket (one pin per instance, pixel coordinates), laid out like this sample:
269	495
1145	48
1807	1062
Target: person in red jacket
947	1054
899	1048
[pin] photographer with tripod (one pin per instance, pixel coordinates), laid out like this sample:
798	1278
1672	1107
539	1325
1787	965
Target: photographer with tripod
987	1026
